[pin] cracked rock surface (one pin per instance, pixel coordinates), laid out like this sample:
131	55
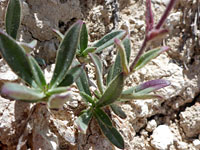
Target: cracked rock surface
172	123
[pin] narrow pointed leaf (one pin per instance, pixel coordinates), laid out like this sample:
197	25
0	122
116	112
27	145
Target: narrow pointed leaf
87	98
83	121
147	87
58	34
101	115
125	97
57	90
28	47
38	75
151	86
118	111
99	71
111	133
108	40
113	91
66	53
13	18
109	75
82	83
117	69
16	58
20	92
123	57
148	56
83	38
88	50
57	101
71	76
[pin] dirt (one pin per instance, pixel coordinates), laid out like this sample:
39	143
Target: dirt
172	123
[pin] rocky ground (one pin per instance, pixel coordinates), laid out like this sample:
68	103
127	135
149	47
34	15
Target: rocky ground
169	124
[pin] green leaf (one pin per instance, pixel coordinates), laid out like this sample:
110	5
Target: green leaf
57	90
118	111
117	69
126	97
108	40
28	47
57	101
113	91
66	53
71	76
58	34
148	56
88	50
16	58
101	115
83	83
20	92
87	98
123	57
37	72
83	121
83	38
110	74
111	133
13	18
99	70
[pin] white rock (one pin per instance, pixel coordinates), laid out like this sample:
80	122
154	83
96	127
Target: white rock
162	138
151	125
196	143
182	146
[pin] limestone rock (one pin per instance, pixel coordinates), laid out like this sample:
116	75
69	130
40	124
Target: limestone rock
190	121
162	138
47	14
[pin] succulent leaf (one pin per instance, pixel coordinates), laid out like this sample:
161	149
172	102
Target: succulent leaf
58	34
20	92
101	115
88	50
116	69
113	91
66	53
148	56
111	133
13	18
28	47
57	90
83	38
151	86
123	57
83	121
37	72
87	98
118	111
108	40
99	71
83	83
57	101
16	58
71	76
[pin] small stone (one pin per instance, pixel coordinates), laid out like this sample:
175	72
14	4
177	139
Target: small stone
162	138
196	143
151	125
182	146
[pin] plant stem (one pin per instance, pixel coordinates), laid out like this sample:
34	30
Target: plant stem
144	44
166	13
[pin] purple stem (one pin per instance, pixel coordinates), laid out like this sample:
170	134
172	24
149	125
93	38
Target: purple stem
144	44
149	17
166	13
